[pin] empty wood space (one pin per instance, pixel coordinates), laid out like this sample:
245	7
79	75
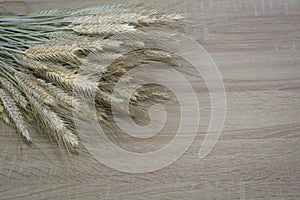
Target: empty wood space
256	46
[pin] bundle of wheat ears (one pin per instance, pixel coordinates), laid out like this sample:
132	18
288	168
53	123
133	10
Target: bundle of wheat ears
47	55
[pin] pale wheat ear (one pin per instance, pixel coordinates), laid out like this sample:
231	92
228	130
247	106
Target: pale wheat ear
59	94
107	9
15	92
68	79
54	125
4	115
51	12
30	86
56	53
103	29
15	115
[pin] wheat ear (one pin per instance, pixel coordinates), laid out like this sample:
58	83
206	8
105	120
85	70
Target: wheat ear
15	92
15	114
107	19
160	19
57	53
4	115
94	29
55	125
65	78
59	94
31	86
106	9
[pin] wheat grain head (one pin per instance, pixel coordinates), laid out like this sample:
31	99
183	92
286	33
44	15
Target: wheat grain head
15	115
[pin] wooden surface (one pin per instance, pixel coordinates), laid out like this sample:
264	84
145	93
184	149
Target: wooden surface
256	47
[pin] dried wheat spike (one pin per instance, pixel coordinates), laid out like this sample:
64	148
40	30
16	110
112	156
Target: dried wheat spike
91	29
160	19
59	76
27	62
4	115
15	92
56	53
106	9
5	118
69	38
60	95
15	114
118	18
83	11
52	12
71	81
61	36
54	125
31	86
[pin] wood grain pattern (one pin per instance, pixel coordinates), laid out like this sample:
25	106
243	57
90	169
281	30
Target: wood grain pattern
255	44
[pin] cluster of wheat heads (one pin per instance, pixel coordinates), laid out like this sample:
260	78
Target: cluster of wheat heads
42	56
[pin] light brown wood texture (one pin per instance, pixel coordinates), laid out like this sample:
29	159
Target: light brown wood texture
255	44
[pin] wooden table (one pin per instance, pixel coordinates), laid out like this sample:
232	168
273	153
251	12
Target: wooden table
255	44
